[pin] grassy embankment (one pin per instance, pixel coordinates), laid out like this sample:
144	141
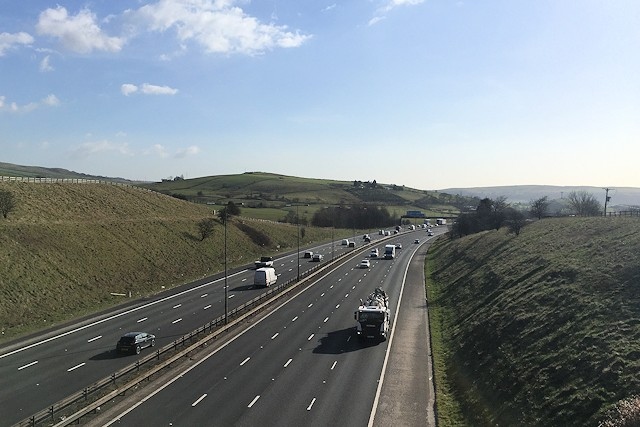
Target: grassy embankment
538	329
67	247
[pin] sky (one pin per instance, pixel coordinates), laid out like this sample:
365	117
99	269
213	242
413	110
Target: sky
423	93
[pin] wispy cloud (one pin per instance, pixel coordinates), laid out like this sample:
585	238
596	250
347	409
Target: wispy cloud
189	151
88	149
392	4
11	41
147	89
219	26
388	6
79	33
45	66
14	107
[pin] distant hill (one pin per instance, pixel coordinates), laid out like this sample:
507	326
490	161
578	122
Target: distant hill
274	191
10	169
620	196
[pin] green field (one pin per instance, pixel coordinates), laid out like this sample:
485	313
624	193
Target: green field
67	247
538	329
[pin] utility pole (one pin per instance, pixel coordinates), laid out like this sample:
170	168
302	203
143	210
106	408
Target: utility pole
606	199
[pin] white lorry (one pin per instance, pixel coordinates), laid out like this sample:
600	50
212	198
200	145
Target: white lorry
265	276
389	251
441	221
373	316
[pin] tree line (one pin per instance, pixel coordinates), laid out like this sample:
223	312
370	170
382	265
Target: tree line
496	213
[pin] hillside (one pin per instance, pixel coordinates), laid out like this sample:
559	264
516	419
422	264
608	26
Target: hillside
67	247
271	196
542	328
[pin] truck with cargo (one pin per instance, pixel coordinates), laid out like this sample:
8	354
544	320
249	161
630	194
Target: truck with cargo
373	316
389	251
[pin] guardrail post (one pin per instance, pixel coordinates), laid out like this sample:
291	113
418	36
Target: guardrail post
138	365
157	354
33	420
51	412
85	393
113	378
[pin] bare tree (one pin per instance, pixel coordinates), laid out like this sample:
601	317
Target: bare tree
205	227
539	207
515	221
584	203
7	202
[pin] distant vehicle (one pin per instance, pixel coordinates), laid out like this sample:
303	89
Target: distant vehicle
373	316
367	239
395	231
389	251
308	254
398	228
429	230
345	242
133	342
416	241
387	233
441	221
398	245
374	253
352	244
381	232
365	263
316	258
412	227
430	233
265	261
265	276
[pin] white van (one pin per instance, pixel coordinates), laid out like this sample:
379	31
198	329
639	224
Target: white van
345	242
265	276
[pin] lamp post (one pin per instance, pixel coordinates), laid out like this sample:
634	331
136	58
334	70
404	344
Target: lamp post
298	222
226	289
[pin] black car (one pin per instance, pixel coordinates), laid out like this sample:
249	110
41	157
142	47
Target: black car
133	342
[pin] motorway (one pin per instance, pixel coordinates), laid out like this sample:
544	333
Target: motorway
44	370
299	365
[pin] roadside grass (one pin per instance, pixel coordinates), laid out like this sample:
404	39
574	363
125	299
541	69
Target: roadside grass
448	409
541	328
68	247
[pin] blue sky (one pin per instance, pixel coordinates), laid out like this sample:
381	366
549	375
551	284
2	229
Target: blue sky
424	93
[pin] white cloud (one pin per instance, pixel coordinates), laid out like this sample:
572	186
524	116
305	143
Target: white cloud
51	100
158	150
45	66
147	89
79	33
392	4
9	41
127	89
88	149
375	20
13	107
217	25
189	151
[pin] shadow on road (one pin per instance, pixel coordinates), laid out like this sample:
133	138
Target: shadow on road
246	288
343	341
107	355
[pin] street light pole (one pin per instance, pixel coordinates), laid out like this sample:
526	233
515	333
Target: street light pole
226	290
298	221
